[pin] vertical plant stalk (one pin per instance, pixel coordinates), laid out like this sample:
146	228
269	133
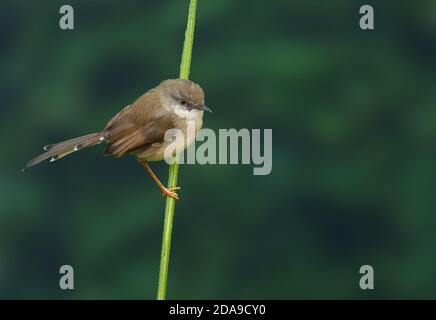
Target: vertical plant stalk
185	66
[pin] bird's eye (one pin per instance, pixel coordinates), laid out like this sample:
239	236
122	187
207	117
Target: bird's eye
183	102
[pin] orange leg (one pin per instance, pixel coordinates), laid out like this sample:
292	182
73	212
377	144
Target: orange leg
169	192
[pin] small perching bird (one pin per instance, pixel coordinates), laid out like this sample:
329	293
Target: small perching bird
139	129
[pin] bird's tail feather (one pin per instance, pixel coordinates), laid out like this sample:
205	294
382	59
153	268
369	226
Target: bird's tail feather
64	148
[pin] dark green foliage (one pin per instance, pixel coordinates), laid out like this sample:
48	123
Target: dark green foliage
354	129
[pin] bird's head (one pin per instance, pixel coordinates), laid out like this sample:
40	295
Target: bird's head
186	94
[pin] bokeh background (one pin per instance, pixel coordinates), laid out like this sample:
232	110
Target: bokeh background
354	134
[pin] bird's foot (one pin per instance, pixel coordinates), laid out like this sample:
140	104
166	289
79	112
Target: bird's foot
170	192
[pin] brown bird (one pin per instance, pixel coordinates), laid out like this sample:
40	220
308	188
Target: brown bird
139	129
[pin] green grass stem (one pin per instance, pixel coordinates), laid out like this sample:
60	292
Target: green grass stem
185	66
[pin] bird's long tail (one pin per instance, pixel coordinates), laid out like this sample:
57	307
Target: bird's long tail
62	149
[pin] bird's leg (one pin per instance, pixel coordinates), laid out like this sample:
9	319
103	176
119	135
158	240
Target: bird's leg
169	192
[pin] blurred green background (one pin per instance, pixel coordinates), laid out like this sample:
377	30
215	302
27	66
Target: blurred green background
354	133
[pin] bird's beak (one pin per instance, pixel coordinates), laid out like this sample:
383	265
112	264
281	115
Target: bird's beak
204	108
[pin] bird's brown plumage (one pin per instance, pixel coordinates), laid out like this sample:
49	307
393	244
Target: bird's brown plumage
140	127
137	126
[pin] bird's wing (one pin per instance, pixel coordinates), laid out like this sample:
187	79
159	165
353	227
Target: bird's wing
142	123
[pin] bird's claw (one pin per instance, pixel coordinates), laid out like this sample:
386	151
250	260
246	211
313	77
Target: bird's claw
169	192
